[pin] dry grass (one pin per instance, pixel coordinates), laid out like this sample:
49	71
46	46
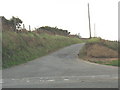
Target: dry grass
100	51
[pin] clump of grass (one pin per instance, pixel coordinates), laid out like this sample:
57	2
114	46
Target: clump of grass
93	40
18	48
114	63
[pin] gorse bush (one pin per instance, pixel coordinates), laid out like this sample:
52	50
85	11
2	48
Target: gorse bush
22	47
54	30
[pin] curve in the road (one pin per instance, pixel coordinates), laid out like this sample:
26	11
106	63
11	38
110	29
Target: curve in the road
61	66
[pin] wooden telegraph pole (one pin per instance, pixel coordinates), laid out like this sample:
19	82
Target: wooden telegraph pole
94	31
89	20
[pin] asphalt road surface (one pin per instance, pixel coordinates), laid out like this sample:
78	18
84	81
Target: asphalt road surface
61	69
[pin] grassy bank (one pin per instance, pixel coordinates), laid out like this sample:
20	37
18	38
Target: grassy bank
20	48
100	51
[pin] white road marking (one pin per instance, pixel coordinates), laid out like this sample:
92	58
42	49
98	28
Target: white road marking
28	81
1	81
13	79
51	80
93	76
66	79
42	80
59	78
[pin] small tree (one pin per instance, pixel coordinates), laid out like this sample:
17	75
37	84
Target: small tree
16	22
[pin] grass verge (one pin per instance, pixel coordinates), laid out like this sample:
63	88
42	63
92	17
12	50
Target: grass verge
18	48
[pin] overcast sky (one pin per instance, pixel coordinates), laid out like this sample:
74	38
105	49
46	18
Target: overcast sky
71	15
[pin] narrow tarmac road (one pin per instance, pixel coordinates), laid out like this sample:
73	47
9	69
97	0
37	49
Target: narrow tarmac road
61	69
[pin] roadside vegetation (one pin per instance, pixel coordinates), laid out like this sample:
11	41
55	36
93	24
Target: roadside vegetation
109	62
18	48
100	51
20	45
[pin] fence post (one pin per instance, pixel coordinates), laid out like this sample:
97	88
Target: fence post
29	28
